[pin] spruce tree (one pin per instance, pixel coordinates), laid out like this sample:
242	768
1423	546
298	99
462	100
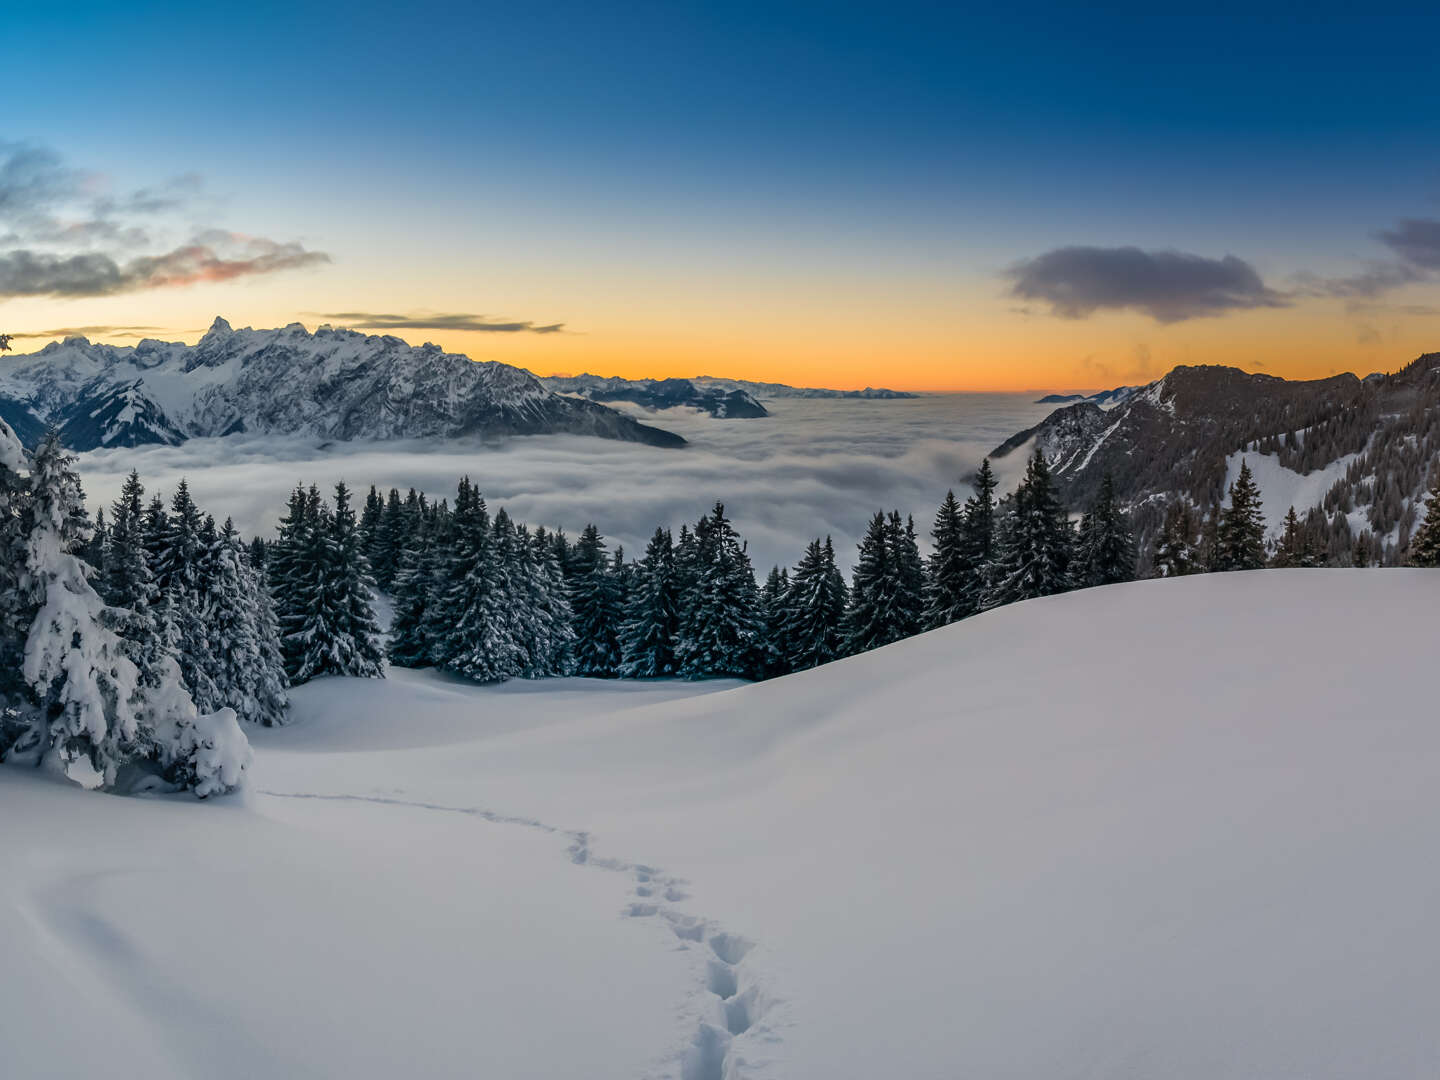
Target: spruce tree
774	607
356	645
1033	557
952	568
1290	551
1425	543
813	630
413	591
869	622
911	584
475	636
1107	546
595	602
721	626
1240	534
652	613
1174	553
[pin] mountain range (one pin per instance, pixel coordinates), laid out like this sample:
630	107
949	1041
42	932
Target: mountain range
719	402
1355	456
331	384
1105	398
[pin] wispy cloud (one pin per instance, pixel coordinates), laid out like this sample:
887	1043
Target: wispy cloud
92	331
69	237
369	320
31	273
1168	286
1416	240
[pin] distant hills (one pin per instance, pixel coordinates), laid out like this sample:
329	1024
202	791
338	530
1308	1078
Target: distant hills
1355	456
332	384
719	402
726	399
1105	398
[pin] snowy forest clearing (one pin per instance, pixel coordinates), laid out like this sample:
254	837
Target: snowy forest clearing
1171	828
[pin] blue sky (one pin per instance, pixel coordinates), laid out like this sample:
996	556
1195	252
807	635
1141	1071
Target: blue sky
554	154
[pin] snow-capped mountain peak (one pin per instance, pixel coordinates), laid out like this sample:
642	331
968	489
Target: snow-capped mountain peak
332	383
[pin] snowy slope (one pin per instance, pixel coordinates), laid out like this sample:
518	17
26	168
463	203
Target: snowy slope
1168	829
330	384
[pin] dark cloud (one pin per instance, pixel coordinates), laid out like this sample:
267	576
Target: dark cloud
1169	286
1365	334
368	320
213	257
1378	278
33	178
1416	240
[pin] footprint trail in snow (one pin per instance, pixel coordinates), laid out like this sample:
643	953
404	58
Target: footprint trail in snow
732	1006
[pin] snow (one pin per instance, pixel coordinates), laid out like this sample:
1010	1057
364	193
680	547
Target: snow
1282	488
1166	829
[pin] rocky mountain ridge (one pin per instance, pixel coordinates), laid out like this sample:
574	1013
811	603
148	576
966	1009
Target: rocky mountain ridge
1374	443
329	384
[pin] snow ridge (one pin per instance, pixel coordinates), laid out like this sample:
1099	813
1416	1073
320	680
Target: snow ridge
732	1003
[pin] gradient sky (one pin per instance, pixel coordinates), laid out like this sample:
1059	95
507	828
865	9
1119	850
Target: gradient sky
910	196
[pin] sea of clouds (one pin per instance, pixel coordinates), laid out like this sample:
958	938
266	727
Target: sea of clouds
812	468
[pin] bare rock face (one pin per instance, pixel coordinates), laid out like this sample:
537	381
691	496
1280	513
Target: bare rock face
332	384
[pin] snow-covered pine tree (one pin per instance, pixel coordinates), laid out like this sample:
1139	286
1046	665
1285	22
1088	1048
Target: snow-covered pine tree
1425	543
475	633
595	602
910	582
1033	558
16	611
1240	534
1107	548
721	627
1290	550
246	669
952	569
652	614
128	585
556	622
1174	553
413	591
355	644
98	543
979	529
389	538
869	622
813	633
774	601
290	573
84	697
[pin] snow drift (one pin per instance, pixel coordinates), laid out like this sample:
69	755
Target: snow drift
1172	828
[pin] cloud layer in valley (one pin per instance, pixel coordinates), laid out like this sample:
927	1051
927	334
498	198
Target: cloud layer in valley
811	468
69	237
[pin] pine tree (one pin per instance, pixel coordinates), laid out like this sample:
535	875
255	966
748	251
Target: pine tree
1292	548
83	697
979	528
1107	547
774	606
395	525
813	631
355	648
1033	557
911	584
595	601
652	614
16	611
721	626
1425	543
1240	535
868	622
476	633
98	544
128	585
413	590
952	569
1174	547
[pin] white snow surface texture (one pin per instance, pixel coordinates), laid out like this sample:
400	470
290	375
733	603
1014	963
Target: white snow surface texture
1175	829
